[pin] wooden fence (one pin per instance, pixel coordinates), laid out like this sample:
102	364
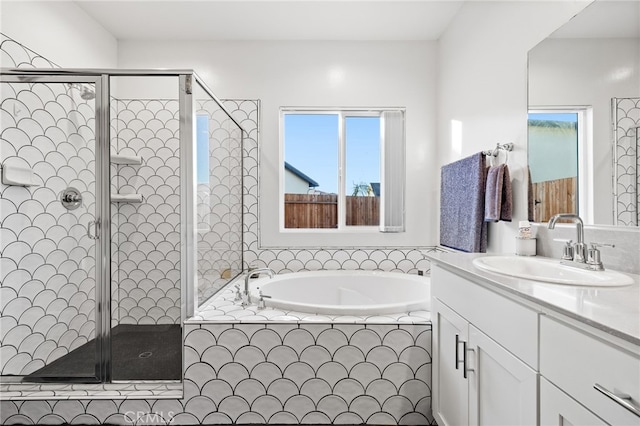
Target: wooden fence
554	196
321	211
363	211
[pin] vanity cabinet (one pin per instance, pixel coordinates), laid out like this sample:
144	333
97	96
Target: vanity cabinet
502	359
478	380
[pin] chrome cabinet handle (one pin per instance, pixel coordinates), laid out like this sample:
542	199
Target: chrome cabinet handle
457	344
464	359
464	355
622	399
96	227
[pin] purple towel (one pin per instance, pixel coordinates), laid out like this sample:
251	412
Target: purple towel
498	195
493	194
462	188
506	209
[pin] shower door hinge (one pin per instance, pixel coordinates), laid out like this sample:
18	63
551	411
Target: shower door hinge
188	84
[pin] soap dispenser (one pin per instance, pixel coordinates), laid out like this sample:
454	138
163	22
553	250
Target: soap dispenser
525	241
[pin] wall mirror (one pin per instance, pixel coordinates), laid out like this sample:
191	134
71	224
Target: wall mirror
584	117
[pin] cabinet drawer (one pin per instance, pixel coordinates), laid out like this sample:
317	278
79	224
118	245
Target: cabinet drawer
509	323
576	362
557	408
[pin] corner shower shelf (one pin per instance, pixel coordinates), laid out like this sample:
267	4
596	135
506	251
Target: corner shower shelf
126	198
126	159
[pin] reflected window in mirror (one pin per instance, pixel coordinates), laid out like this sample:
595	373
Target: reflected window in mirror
556	141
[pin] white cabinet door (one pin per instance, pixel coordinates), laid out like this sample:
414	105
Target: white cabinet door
450	337
558	409
502	388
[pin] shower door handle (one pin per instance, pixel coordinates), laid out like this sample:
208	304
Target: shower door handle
96	228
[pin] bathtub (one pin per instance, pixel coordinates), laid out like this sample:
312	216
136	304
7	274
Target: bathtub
345	292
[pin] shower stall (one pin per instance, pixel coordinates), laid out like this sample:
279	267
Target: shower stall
120	211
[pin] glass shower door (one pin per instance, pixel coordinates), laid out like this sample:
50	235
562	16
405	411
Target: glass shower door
52	223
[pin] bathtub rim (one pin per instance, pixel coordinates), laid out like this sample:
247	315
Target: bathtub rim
423	304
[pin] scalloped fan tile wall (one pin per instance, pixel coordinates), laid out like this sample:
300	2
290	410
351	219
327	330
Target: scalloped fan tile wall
146	269
48	288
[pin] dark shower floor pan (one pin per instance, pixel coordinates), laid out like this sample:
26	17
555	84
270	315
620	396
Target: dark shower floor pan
139	352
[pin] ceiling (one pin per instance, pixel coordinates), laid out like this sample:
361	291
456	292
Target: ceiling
604	19
273	20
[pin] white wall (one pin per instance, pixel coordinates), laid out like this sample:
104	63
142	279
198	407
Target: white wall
59	31
587	72
322	74
482	68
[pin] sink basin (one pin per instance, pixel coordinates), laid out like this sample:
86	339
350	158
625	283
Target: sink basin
550	270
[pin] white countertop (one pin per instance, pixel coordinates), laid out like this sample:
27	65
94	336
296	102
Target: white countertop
614	310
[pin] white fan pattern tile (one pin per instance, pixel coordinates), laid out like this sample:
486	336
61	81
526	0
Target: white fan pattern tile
274	374
146	272
627	176
47	261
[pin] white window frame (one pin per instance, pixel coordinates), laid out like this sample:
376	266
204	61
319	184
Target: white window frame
342	114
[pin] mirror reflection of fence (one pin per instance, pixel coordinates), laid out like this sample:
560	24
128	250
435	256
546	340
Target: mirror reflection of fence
553	162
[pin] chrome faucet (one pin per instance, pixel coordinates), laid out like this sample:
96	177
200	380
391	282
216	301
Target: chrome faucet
577	254
579	248
246	299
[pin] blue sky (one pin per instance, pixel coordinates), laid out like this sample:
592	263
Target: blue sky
311	146
562	116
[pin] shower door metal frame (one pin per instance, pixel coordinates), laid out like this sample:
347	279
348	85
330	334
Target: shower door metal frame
102	211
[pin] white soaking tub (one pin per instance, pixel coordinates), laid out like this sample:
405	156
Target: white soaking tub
345	292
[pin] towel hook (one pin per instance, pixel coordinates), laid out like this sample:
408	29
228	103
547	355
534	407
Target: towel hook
506	147
506	156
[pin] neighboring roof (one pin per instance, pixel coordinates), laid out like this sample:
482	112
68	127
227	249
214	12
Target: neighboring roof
312	183
375	187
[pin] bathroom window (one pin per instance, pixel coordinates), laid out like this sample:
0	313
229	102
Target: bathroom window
333	171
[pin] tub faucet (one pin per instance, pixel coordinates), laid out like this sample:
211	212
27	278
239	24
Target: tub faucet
246	299
579	248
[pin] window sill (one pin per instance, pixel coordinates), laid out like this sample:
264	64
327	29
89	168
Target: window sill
335	231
